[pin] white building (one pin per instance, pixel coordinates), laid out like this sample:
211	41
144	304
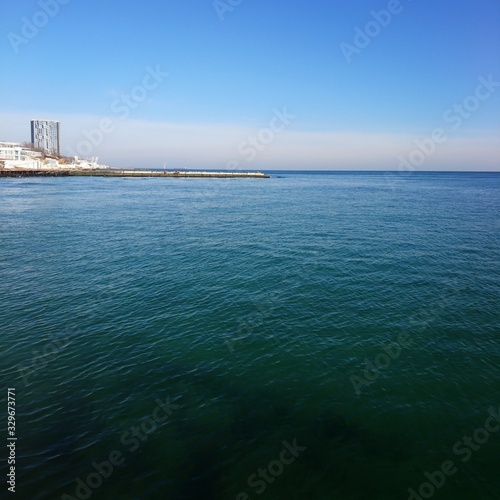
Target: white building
13	155
45	135
12	151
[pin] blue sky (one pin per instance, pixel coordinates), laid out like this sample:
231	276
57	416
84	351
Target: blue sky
233	65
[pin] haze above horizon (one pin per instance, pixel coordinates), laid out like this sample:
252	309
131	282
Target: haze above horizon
250	85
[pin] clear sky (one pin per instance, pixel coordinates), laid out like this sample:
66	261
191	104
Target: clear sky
258	84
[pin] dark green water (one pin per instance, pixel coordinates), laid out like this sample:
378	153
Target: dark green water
264	315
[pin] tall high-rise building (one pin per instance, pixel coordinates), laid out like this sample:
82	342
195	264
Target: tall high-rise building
45	135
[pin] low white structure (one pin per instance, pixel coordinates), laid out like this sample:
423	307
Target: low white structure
86	164
24	164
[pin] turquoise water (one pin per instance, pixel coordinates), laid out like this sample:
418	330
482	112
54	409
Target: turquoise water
265	316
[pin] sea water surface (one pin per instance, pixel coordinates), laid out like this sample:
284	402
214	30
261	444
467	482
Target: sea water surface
309	336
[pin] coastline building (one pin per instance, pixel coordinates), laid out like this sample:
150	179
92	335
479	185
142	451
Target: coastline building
45	135
14	155
12	151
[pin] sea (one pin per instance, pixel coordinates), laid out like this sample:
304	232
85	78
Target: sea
315	335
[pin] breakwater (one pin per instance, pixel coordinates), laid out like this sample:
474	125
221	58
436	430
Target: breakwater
111	172
22	172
